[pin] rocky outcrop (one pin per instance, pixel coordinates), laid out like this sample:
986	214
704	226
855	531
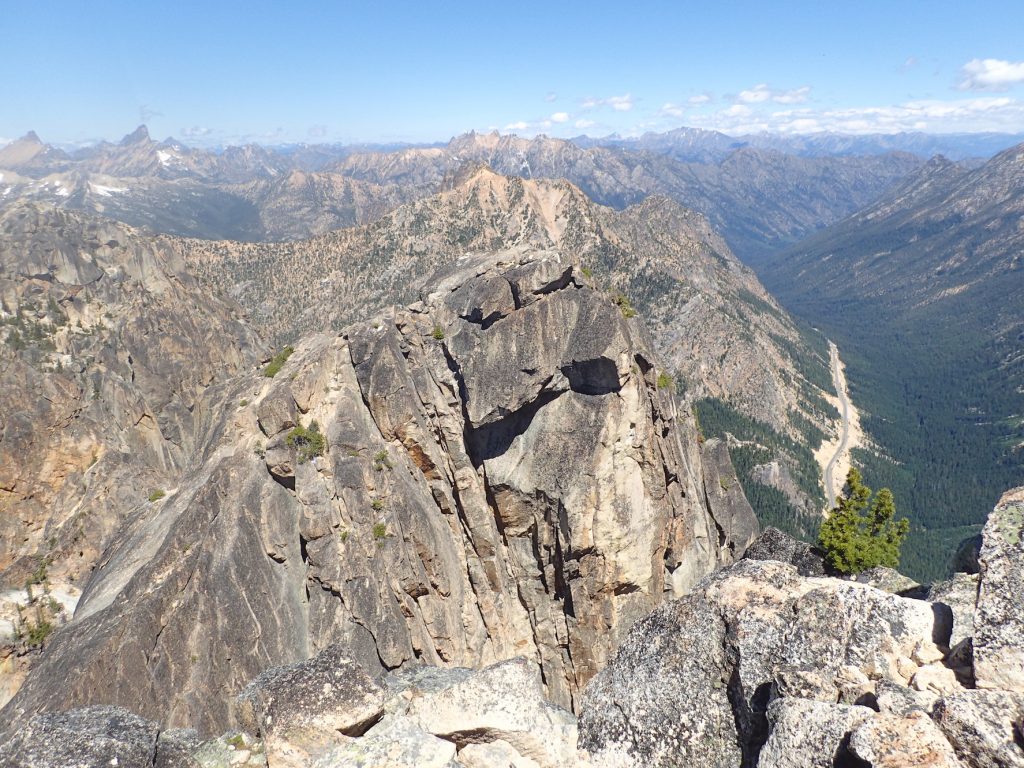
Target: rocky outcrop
779	546
115	357
711	661
301	711
757	667
737	524
82	738
999	618
760	666
496	474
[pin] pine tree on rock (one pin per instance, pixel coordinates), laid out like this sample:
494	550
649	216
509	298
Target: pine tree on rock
857	537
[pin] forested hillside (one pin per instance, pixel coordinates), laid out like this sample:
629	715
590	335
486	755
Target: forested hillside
925	293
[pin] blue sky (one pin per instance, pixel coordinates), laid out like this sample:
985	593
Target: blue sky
227	72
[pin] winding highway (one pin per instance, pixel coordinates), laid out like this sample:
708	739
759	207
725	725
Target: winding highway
844	435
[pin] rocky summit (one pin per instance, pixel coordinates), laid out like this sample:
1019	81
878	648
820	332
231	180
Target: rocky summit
490	473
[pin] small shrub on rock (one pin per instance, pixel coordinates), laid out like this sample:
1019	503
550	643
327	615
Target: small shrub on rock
308	442
277	362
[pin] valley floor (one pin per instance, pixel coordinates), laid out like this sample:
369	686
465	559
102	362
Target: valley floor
833	456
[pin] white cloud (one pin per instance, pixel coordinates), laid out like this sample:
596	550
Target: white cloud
560	117
992	113
550	96
584	123
737	110
761	93
991	75
795	96
519	125
622	103
701	98
756	94
668	109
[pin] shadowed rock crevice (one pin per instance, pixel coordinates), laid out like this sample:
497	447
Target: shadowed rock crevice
599	376
491	440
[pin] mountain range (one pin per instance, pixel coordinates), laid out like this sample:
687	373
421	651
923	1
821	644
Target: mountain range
474	479
759	199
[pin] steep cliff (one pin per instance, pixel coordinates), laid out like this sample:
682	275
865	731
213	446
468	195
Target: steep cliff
492	472
109	348
719	332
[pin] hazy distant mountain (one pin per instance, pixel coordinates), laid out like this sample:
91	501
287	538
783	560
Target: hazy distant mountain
925	290
697	145
759	200
242	193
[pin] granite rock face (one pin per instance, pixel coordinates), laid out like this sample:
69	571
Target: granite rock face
112	359
82	738
500	476
999	618
762	666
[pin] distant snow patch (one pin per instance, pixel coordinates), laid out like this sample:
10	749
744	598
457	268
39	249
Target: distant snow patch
99	189
8	191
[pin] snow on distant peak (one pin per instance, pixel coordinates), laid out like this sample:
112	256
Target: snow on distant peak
168	159
99	189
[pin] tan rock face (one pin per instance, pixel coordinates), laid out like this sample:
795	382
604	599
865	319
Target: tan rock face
107	347
500	476
712	322
999	617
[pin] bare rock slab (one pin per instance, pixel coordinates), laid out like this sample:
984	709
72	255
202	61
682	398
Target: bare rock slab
999	619
82	738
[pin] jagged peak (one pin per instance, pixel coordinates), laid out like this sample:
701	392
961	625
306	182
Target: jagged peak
139	136
31	138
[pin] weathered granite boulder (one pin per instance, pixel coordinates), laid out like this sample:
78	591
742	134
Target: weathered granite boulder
960	593
502	703
174	748
999	618
232	750
891	580
809	734
777	545
693	680
301	710
394	742
886	741
965	560
82	738
984	727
